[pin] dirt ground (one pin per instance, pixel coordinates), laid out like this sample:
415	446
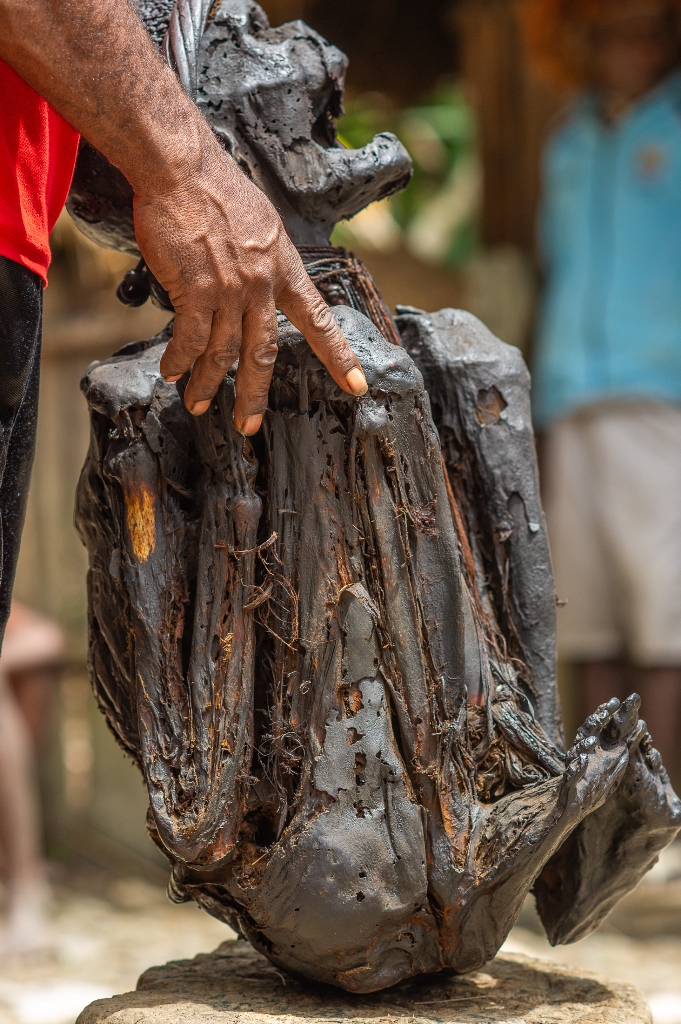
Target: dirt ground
105	932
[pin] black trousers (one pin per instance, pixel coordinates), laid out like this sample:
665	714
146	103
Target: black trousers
21	307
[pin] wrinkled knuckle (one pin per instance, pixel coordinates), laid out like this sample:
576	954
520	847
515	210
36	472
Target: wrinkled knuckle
220	359
320	317
265	355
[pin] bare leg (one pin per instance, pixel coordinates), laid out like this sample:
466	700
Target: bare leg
661	708
25	928
599	682
34	691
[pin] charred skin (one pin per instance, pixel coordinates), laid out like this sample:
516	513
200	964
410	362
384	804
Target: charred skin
346	755
330	649
186	714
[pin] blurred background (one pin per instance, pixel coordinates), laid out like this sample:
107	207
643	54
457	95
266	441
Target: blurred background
453	81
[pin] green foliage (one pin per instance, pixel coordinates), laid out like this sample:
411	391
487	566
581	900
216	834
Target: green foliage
440	136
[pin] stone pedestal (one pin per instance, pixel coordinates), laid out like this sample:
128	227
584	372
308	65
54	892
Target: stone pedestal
235	985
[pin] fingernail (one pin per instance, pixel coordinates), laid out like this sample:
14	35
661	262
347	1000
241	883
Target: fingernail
171	380
357	382
199	408
251	425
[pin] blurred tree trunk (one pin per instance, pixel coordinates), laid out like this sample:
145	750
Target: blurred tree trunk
515	113
279	11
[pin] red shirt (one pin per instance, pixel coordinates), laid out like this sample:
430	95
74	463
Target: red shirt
37	155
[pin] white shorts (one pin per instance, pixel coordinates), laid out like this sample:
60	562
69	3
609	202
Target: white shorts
612	479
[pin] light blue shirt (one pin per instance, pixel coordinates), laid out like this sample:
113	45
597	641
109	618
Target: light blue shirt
610	324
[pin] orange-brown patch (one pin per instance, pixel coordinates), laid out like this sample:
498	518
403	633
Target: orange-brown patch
140	515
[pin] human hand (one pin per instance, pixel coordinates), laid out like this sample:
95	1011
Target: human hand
219	248
208	234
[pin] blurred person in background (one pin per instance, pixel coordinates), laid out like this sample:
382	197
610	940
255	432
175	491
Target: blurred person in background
33	649
607	375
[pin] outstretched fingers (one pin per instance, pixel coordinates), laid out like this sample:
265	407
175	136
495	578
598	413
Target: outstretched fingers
612	725
595	723
590	733
300	301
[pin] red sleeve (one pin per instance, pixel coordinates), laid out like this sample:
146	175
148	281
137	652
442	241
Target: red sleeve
38	151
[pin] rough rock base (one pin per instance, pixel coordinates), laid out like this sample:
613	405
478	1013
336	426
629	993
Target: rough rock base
236	985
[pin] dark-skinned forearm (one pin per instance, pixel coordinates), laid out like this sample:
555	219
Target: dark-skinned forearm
94	62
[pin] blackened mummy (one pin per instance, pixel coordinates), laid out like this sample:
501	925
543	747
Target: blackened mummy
330	649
